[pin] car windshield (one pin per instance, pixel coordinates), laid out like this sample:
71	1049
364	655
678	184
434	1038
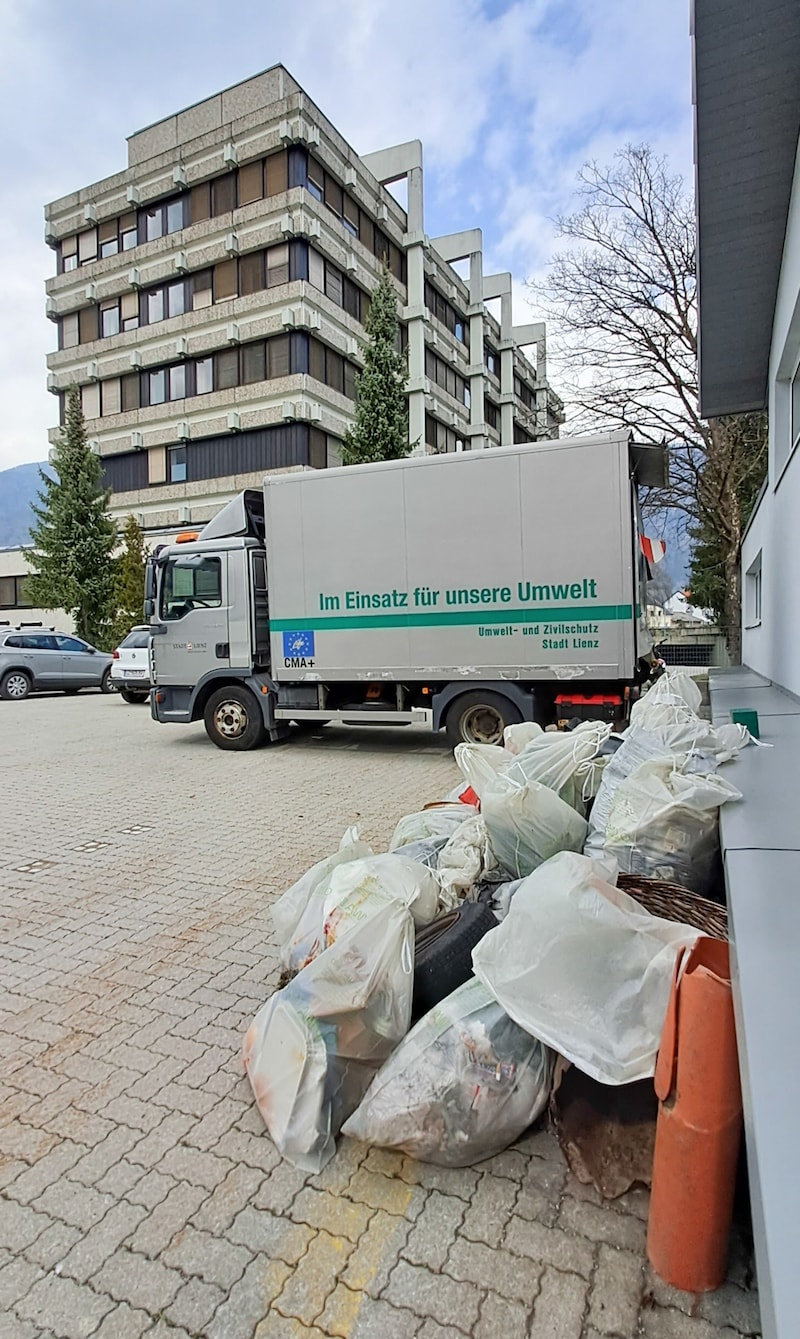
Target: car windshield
190	582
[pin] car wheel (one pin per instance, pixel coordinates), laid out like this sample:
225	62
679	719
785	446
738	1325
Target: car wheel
15	685
132	695
480	718
107	684
233	719
443	953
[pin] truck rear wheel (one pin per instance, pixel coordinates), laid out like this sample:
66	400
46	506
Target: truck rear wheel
480	718
233	719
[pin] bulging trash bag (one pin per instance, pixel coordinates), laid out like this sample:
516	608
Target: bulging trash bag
466	859
313	1048
580	965
297	914
463	1085
425	851
664	824
674	686
517	737
480	763
566	762
672	730
391	875
438	820
527	822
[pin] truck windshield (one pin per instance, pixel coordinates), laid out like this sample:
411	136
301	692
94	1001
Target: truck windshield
190	582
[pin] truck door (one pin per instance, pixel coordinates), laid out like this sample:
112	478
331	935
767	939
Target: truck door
191	638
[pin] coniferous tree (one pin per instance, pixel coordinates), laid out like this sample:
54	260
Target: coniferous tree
73	538
129	579
380	431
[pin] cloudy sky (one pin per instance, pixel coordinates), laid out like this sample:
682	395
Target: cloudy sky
509	97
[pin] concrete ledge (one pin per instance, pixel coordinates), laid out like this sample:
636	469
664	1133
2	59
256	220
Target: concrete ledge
761	847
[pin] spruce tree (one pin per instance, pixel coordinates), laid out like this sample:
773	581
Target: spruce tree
380	431
129	579
73	538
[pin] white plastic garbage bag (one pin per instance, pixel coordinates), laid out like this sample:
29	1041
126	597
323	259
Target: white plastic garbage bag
671	731
313	1048
466	859
582	966
439	820
674	686
480	763
391	875
517	737
665	825
297	914
527	822
566	762
463	1085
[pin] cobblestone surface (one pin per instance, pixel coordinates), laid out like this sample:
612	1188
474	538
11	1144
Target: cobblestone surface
139	1192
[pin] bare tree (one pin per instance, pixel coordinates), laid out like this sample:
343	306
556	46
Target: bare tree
622	301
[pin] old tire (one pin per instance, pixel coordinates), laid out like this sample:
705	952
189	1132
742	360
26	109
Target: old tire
443	953
233	719
15	685
130	695
480	718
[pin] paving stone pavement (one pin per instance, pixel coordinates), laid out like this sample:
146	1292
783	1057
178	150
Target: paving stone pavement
140	1194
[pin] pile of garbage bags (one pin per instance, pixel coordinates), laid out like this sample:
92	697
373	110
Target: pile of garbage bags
557	961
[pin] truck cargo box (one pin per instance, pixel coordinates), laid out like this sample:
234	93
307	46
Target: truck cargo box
518	562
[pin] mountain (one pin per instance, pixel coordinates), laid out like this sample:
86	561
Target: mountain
18	489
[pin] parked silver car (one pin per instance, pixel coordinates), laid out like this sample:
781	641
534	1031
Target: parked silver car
34	659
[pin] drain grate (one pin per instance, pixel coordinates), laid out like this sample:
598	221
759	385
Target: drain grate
34	866
90	846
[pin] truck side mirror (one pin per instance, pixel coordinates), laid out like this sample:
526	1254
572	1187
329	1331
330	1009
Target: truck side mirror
149	608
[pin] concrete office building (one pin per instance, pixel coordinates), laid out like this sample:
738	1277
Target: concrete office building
210	302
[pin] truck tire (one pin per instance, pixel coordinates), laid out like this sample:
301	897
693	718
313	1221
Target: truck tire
443	953
233	719
480	718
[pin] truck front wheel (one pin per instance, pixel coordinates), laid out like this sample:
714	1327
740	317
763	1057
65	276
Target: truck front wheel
233	719
480	718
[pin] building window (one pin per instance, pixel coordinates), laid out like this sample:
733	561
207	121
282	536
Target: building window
521	435
440	438
202	294
68	254
525	393
156	386
444	375
13	593
204	375
109	318
87	246
491	413
111	397
177	382
158	220
90	400
176	465
492	361
69	333
752	593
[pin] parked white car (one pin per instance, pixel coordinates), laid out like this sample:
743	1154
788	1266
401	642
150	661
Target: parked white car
130	666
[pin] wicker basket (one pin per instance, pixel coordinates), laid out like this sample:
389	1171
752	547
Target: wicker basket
675	903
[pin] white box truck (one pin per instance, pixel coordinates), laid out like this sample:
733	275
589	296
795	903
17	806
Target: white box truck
464	591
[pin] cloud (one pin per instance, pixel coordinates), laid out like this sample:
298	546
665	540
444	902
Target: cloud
508	98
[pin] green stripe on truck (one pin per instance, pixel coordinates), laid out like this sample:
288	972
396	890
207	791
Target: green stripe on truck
604	613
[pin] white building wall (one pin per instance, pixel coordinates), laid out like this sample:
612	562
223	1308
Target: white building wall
771	644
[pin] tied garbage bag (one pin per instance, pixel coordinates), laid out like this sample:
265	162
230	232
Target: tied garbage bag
480	763
350	887
580	965
313	1048
674	686
439	820
297	914
566	762
517	737
665	825
463	1085
527	822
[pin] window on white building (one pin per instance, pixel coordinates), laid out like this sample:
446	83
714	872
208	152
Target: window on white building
752	593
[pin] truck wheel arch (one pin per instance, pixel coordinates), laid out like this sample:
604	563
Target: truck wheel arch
518	697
